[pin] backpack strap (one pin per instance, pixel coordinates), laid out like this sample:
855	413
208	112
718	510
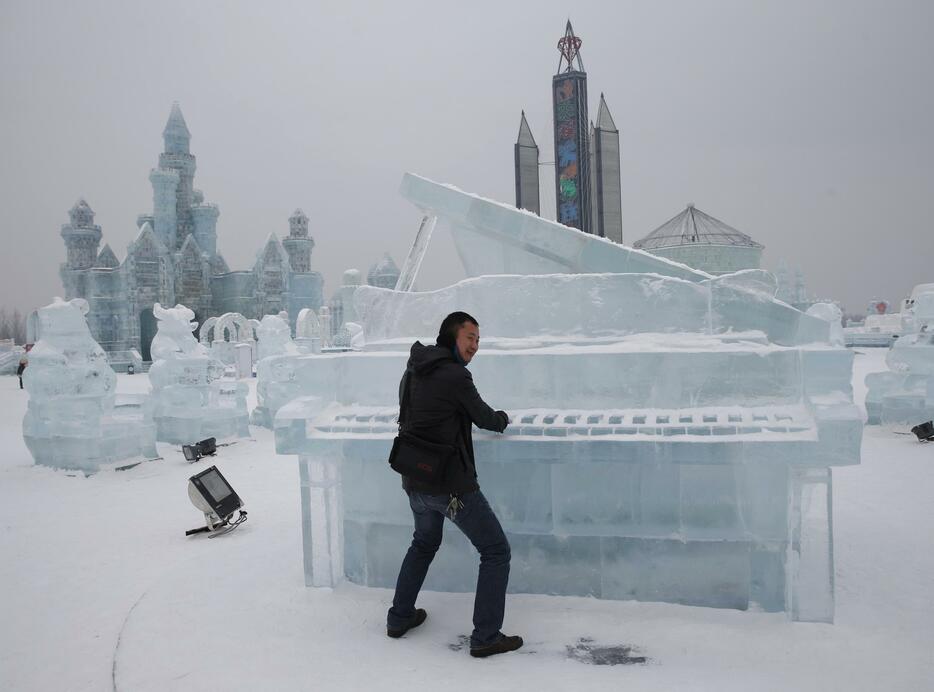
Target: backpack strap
405	395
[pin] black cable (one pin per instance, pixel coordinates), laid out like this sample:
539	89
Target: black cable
240	519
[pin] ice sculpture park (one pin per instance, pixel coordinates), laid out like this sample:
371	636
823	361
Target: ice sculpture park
76	420
673	434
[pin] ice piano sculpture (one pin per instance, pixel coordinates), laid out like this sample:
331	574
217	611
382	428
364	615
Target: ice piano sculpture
672	438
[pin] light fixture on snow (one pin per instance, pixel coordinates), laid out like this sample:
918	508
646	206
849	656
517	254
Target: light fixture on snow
924	431
205	448
210	492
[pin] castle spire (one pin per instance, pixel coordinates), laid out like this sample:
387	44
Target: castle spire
176	135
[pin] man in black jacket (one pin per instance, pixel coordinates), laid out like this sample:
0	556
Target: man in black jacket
443	405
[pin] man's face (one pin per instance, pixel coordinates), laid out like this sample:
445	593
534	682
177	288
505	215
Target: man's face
468	341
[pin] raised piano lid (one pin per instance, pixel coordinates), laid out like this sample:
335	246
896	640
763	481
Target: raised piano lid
496	238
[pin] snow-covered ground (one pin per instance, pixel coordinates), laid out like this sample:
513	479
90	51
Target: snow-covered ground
101	589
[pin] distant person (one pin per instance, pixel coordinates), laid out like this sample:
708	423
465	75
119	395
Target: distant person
443	403
21	368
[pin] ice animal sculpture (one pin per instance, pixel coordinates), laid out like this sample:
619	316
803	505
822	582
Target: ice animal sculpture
275	336
72	421
904	396
191	401
275	383
673	433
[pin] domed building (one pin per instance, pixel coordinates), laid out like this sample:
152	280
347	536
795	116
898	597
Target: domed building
383	274
703	242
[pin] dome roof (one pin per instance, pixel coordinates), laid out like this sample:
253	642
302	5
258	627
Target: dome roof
82	216
692	227
384	273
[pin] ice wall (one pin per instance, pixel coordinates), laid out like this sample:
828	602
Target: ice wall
71	421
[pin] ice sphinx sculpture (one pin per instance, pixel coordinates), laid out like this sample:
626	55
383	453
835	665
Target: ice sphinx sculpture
190	400
71	421
904	396
673	433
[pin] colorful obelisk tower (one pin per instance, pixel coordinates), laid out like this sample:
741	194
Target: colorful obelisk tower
572	151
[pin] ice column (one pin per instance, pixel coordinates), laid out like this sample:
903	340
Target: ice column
414	259
322	521
809	567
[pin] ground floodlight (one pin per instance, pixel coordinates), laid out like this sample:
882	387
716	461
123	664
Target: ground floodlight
207	447
924	431
210	492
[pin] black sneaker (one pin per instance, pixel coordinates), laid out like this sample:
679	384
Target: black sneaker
416	620
503	646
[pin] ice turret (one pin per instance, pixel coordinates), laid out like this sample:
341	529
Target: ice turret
81	236
204	218
164	205
176	159
298	244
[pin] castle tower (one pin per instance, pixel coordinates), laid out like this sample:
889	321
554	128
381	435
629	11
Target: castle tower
526	155
82	237
298	244
178	158
165	184
607	193
572	158
204	219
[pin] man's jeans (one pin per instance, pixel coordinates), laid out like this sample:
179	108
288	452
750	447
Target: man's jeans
477	521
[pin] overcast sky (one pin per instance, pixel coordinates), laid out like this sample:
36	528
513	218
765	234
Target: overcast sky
807	125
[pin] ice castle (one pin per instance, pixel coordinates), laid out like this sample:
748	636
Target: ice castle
174	259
